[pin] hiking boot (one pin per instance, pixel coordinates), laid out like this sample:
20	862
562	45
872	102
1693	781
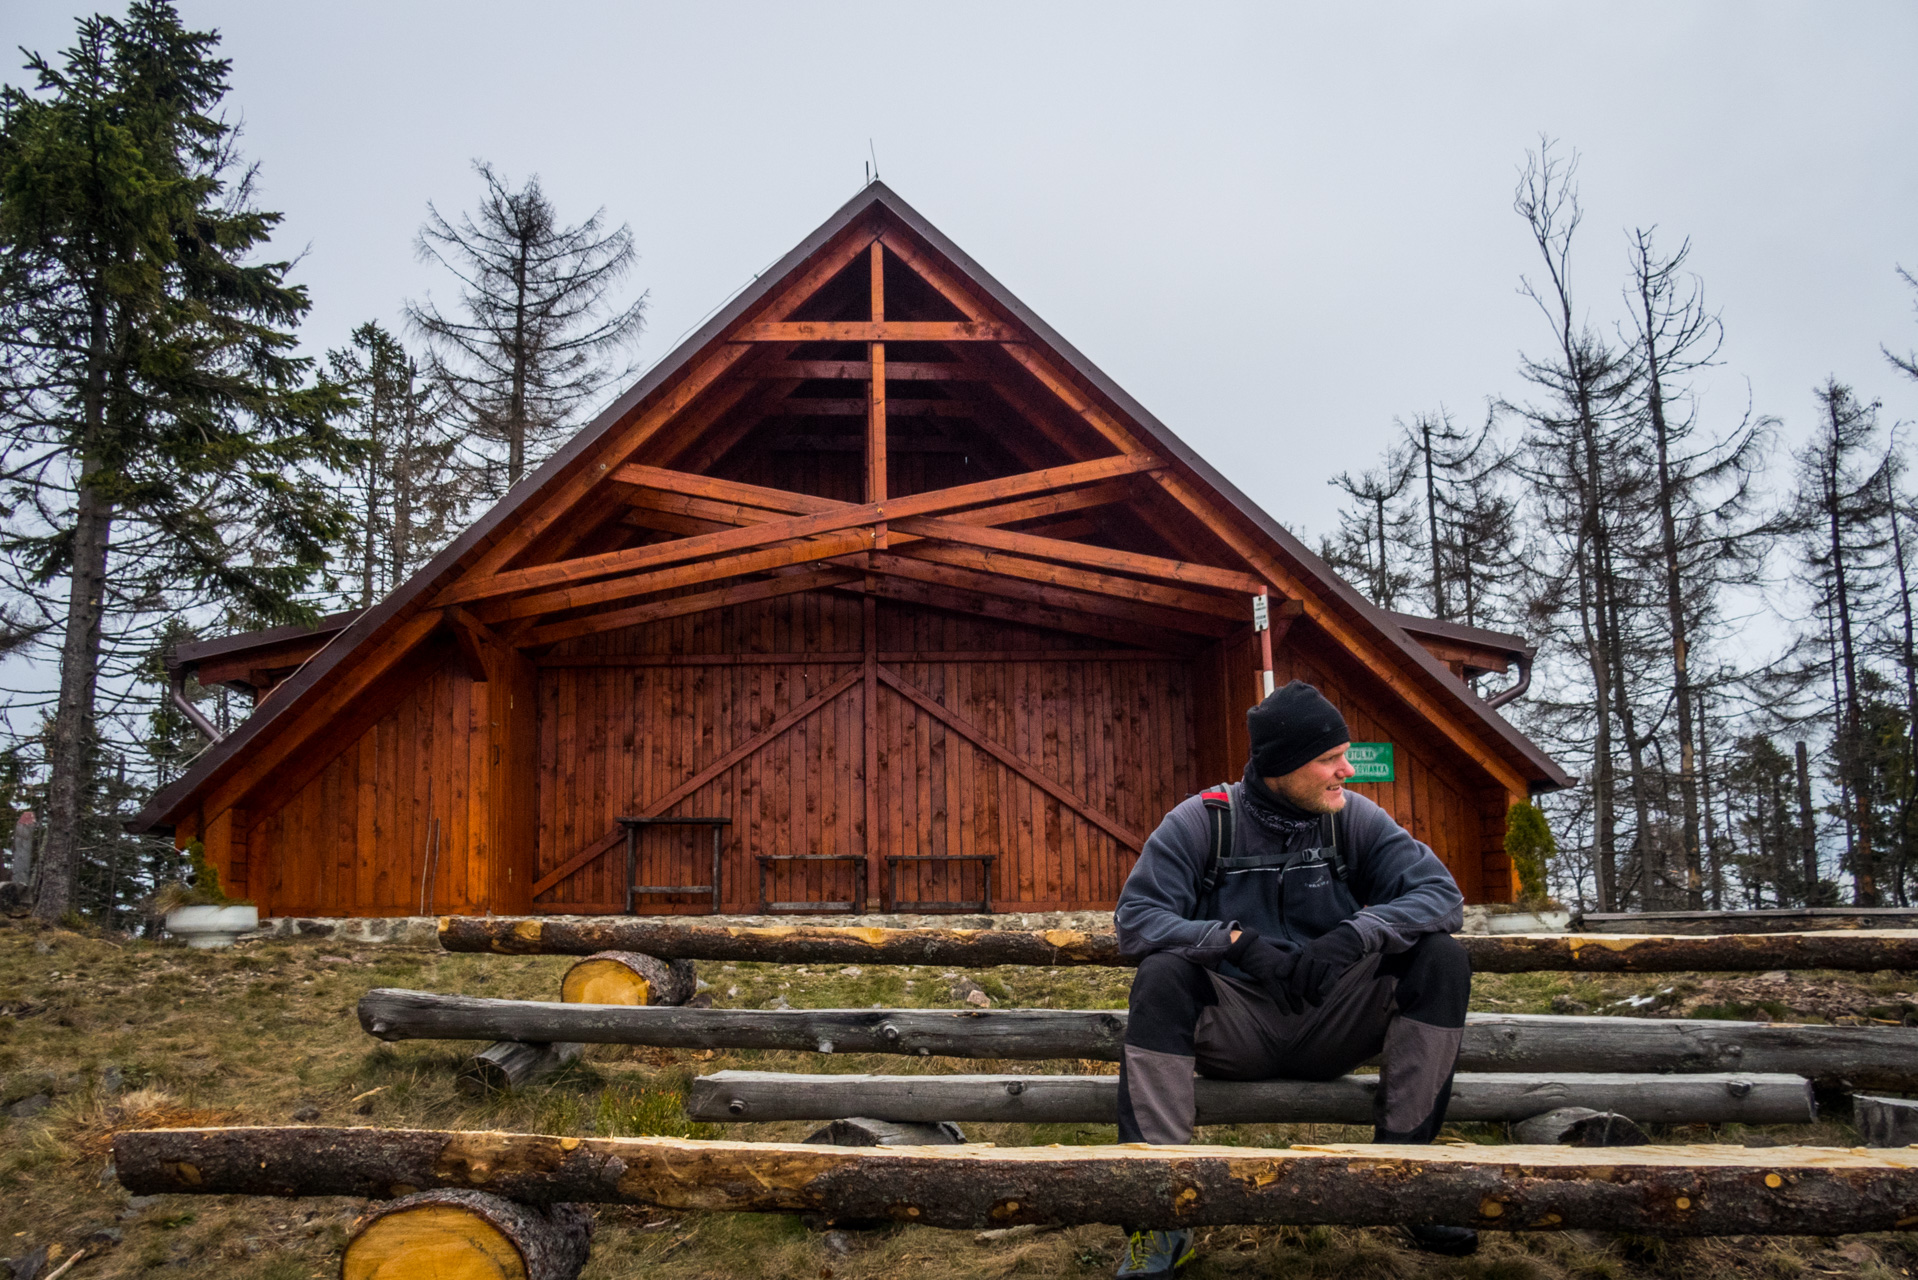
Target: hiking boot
1155	1253
1453	1242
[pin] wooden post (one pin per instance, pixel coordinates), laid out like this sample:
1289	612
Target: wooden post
1262	623
467	1233
869	714
505	862
876	402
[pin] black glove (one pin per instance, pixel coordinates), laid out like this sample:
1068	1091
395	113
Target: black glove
1269	964
1324	961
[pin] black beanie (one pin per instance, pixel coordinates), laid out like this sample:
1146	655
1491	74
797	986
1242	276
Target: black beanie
1293	726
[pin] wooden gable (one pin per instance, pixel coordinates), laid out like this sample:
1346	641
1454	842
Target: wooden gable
876	569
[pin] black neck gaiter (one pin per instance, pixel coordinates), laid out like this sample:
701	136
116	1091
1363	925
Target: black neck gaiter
1273	811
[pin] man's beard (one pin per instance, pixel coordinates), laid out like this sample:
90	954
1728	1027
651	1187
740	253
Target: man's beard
1313	799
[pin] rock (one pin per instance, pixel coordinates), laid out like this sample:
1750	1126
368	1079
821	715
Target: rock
109	1175
965	988
1776	975
838	1243
139	1204
851	971
30	1265
31	1105
306	1114
1565	1004
979	999
111	1079
704	1000
104	1238
13	898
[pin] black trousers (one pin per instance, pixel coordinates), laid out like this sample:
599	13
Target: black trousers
1187	1019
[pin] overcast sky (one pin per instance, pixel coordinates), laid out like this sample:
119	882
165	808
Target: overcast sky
1279	227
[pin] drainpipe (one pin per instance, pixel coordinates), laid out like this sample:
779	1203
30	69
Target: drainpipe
193	713
1518	687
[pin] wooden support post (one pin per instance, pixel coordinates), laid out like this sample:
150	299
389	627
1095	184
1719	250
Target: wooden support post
513	1064
1855	950
876	398
505	863
869	719
1669	1191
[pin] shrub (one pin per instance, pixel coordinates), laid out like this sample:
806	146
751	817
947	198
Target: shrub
1529	844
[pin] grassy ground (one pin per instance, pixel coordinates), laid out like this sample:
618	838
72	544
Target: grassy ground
97	1034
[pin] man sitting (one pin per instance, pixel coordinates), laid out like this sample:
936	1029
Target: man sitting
1317	937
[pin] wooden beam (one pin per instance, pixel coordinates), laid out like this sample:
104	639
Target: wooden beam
1028	544
778	556
1831	1057
867	331
684	606
869	784
846	407
1705	1098
693	784
738	504
1665	1191
1044	617
1018	764
830	656
926	565
981	560
857	371
715	544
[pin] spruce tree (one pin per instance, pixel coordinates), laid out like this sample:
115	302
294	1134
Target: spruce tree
161	437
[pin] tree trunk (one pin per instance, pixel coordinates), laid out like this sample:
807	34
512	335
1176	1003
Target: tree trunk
760	1096
1851	723
1885	1122
461	1232
1706	1191
627	977
985	948
1580	1127
1834	1057
512	1064
70	744
1807	825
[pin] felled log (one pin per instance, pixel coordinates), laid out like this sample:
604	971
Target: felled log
1672	1191
783	944
1833	1057
1769	920
1697	1099
458	1232
1859	950
1864	950
1885	1122
628	977
513	1064
1580	1127
864	1131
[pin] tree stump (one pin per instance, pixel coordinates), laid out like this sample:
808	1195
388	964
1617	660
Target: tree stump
627	977
467	1235
511	1064
1885	1122
863	1131
1580	1127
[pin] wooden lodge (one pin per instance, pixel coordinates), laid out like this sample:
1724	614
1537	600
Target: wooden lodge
877	574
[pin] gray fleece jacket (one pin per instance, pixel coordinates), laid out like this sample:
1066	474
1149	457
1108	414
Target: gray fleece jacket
1395	888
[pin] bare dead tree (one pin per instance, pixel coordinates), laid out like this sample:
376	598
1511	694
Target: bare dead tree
537	331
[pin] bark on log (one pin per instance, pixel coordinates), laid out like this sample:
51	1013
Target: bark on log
1776	920
784	944
513	1064
1696	1099
1864	950
629	978
864	1131
1580	1127
1833	1057
1672	1191
455	1234
1885	1122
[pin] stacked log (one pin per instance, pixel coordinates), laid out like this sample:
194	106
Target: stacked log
461	1232
1832	1057
1671	1191
1708	1098
1858	950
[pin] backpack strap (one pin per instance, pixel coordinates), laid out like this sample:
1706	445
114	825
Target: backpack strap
1218	812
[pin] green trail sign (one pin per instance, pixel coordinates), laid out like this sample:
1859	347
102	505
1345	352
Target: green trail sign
1373	760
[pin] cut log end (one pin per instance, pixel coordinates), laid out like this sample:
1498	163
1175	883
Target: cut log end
467	1235
864	1131
1580	1127
511	1064
629	978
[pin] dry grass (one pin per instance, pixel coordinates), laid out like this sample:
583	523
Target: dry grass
122	1034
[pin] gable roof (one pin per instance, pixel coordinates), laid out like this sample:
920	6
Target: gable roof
1333	603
